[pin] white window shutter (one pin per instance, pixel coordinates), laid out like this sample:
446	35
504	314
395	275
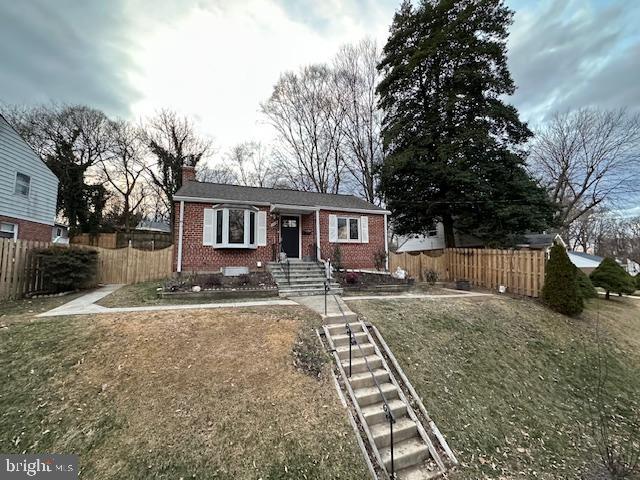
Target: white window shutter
261	229
333	228
364	229
207	227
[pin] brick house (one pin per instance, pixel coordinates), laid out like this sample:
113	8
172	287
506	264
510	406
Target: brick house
28	190
220	226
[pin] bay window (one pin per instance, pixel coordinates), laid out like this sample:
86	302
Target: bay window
229	226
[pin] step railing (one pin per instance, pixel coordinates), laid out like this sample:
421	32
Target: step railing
388	413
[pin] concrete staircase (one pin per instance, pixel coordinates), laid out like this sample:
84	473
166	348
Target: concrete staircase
374	385
304	278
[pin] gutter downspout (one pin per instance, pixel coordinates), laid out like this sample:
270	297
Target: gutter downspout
386	244
180	228
318	234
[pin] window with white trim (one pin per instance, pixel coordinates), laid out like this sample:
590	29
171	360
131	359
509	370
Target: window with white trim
348	229
9	230
23	184
234	227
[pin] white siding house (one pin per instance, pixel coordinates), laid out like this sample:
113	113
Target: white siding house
28	189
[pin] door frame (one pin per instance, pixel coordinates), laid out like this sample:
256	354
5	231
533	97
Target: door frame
299	231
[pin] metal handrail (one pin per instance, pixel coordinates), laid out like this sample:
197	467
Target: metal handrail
386	408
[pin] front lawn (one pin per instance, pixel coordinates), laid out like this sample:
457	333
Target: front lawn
507	380
167	395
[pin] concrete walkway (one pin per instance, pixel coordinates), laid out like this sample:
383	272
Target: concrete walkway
336	310
85	305
411	296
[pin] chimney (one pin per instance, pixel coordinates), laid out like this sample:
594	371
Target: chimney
188	174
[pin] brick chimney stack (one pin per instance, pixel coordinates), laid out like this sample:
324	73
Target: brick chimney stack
188	174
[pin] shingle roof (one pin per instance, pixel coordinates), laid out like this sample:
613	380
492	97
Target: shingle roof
588	256
219	191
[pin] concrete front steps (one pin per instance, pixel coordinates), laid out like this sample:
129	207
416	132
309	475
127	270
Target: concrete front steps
371	385
304	278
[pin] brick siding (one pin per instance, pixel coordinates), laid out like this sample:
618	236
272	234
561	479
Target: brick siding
197	257
28	230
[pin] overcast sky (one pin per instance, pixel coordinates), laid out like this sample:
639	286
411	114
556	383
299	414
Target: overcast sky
216	60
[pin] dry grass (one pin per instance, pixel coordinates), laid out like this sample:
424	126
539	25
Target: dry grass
507	380
25	310
197	394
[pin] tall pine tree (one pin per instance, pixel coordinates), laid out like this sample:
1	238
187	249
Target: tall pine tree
453	146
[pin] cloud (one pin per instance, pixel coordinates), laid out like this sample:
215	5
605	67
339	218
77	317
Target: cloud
570	54
217	61
65	51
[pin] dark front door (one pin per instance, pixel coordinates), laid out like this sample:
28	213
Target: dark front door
290	234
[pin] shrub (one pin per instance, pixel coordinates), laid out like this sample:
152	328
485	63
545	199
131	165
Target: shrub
380	259
587	290
561	291
336	260
351	278
612	278
431	277
638	281
66	269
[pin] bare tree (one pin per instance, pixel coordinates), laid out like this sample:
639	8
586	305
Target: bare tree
589	230
357	76
174	143
252	164
306	110
216	174
123	169
586	158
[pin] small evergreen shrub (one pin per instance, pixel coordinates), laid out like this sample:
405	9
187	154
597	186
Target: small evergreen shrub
65	269
561	291
638	281
587	290
612	278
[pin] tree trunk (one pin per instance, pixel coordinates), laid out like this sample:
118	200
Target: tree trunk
606	295
449	236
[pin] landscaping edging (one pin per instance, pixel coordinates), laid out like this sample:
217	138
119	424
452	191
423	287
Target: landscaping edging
389	288
223	293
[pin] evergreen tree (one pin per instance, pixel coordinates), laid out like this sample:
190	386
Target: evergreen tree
561	291
587	290
612	278
454	148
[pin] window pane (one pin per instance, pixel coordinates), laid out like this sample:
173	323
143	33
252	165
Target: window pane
219	226
353	229
22	184
7	230
342	229
252	228
236	226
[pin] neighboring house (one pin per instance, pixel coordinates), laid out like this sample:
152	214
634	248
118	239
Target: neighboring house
153	226
60	234
434	240
585	261
220	226
541	241
28	190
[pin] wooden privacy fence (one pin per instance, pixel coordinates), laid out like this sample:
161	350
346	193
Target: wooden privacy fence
130	265
20	272
520	271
